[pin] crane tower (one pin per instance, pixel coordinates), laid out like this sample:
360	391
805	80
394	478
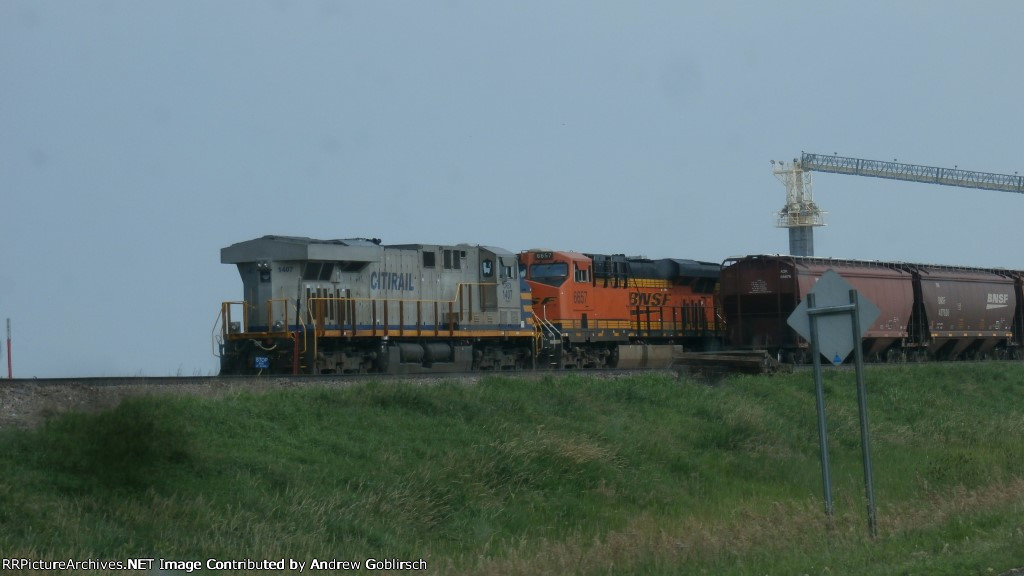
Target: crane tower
800	214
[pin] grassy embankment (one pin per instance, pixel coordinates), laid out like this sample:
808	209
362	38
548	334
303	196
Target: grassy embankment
554	475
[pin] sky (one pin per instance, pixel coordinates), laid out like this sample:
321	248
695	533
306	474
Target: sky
137	139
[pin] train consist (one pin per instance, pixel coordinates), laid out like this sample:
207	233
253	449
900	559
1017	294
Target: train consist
357	306
354	306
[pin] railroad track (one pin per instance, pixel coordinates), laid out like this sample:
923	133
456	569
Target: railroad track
28	402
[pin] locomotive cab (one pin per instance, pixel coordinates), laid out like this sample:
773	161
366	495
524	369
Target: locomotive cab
276	270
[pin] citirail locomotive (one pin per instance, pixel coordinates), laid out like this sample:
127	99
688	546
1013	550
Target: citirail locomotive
341	306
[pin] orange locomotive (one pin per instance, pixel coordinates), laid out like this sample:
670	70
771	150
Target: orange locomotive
613	311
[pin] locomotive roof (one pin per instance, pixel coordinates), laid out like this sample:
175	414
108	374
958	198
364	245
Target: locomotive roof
697	269
302	248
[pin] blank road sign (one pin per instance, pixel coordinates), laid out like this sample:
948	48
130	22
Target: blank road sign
835	331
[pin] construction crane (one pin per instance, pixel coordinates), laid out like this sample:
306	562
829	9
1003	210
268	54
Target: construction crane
801	214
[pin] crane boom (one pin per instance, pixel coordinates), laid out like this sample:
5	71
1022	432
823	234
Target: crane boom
912	172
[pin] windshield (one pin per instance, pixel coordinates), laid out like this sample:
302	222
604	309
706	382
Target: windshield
550	274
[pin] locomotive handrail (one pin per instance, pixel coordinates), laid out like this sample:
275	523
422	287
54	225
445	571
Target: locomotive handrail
458	294
315	312
270	315
224	320
553	330
213	332
225	316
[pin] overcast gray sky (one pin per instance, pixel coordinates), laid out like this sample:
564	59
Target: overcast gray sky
139	138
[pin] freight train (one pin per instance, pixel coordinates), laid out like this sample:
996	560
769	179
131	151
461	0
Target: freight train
358	306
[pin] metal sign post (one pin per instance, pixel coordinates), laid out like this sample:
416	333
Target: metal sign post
819	393
10	372
862	404
824	317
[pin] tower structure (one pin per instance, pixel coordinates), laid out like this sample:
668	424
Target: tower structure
800	214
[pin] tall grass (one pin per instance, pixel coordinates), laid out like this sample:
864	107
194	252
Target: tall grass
549	475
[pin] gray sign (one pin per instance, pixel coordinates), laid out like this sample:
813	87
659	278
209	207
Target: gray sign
835	331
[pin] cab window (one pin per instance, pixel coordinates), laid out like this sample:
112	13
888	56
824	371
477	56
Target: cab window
550	274
582	274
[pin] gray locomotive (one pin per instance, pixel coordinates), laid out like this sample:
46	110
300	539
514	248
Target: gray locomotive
355	305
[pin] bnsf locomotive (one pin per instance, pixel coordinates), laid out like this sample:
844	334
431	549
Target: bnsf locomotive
340	306
598	310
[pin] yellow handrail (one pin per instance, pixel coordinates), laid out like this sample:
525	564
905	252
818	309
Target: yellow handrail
315	310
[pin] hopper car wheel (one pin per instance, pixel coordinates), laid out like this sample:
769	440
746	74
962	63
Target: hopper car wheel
896	356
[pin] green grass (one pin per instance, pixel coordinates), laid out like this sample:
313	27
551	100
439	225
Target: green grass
547	475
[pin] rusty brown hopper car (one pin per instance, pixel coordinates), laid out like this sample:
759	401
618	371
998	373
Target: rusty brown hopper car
760	292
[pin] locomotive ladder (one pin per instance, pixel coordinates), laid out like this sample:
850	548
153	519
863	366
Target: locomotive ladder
552	335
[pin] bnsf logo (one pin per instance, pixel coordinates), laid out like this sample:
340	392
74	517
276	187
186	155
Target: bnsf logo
643	299
998	298
997	301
